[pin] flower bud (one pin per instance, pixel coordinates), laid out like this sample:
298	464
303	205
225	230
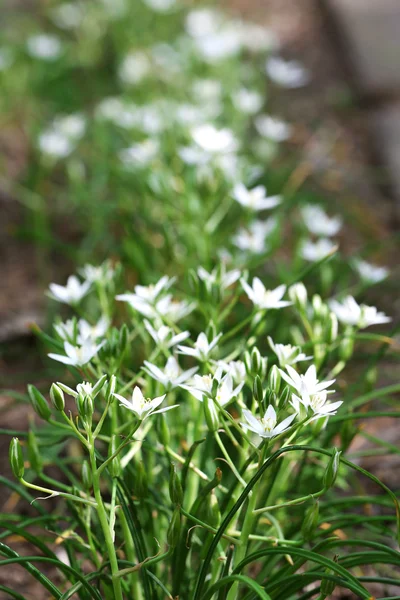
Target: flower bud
332	469
211	414
255	364
162	430
310	521
298	295
114	466
39	403
123	338
317	305
346	347
332	328
86	475
214	387
174	528
57	397
87	409
327	585
211	331
370	378
35	460
175	486
110	389
98	386
258	391
16	458
274	379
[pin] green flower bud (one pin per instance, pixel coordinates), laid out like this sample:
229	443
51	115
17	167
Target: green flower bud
98	386
162	430
214	388
298	295
327	585
274	379
332	469
174	529
114	467
175	486
35	460
258	391
317	305
16	458
256	360
211	414
86	475
310	521
110	389
123	338
39	403
87	409
332	328
57	397
370	378
211	331
346	346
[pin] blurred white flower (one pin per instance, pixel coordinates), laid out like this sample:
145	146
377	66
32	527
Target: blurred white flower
143	407
55	144
78	356
115	9
263	298
92	332
255	199
370	273
223	277
44	46
160	5
224	391
254	238
202	347
68	15
350	312
314	251
318	222
220	45
207	90
257	38
164	336
148	294
214	140
272	128
141	154
287	354
72	293
72	126
266	426
66	330
289	74
98	274
172	375
203	22
135	67
247	101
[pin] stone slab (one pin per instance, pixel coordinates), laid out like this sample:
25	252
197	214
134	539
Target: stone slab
371	33
387	130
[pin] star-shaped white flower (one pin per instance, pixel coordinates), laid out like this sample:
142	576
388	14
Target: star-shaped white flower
317	403
289	74
93	332
202	385
350	312
254	239
255	199
306	385
164	336
214	141
143	407
318	222
287	354
272	128
78	355
263	298
223	277
202	347
266	426
172	375
314	251
72	293
370	273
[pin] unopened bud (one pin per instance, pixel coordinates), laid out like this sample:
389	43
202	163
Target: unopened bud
327	585
274	379
162	429
110	389
57	397
39	403
346	347
35	460
298	295
16	458
86	475
332	328
332	469
258	391
174	529
123	338
175	486
310	521
211	414
98	386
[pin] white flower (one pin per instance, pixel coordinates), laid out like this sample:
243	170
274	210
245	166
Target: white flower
370	273
314	251
226	392
141	406
72	126
289	74
66	331
272	128
220	45
144	297
203	386
72	293
68	15
318	222
202	347
207	91
172	375
141	154
255	199
214	140
235	368
98	274
317	403
263	298
55	144
164	336
266	426
78	355
202	22
257	38
84	388
287	354
306	385
135	67
92	332
174	310
43	46
350	312
254	239
298	294
247	101
224	278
